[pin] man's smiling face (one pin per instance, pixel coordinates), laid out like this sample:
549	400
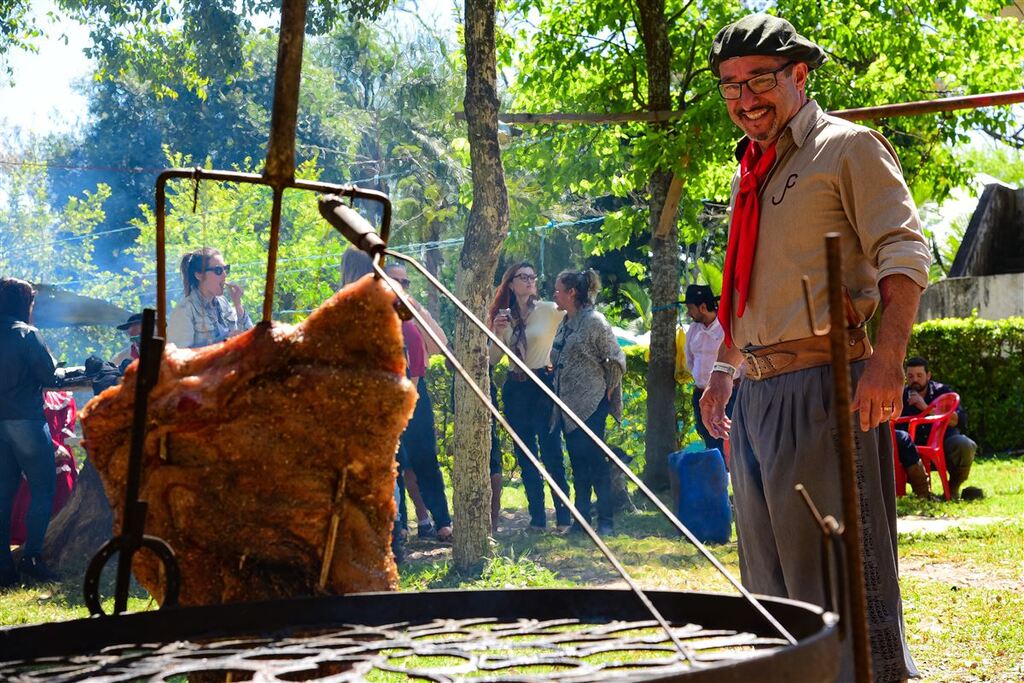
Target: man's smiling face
763	116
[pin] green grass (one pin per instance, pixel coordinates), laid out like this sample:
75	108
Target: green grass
963	587
63	601
999	477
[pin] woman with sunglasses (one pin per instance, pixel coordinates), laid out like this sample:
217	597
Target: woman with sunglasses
204	315
589	365
527	325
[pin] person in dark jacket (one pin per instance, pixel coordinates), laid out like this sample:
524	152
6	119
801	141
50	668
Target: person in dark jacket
25	445
920	391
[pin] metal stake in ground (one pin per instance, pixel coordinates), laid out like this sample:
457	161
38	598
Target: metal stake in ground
858	611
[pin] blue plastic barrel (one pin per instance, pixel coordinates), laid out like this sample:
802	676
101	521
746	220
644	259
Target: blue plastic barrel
703	504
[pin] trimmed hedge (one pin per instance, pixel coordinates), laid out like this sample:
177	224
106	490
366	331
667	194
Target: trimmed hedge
983	361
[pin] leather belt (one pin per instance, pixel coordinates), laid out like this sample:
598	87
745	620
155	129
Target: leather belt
800	354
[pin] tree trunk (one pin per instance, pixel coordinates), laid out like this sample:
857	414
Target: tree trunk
660	438
485	232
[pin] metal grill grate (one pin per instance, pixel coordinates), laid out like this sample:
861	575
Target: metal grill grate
439	650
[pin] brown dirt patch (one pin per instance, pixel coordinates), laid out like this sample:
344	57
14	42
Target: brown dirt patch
962	574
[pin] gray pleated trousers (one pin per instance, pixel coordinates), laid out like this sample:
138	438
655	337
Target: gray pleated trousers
784	434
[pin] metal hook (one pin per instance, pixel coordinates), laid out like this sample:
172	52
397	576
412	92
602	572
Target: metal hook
132	537
833	575
811	317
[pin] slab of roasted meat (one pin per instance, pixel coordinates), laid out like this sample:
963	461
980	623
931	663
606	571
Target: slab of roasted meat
255	445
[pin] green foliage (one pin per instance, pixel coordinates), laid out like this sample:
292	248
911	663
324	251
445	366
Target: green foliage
18	30
641	303
234	218
42	245
190	42
374	106
1000	161
631	433
944	247
983	361
589	57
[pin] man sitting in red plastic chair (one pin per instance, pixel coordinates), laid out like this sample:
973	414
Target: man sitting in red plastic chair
919	392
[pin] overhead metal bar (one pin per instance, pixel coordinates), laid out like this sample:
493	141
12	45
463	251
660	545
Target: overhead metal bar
916	108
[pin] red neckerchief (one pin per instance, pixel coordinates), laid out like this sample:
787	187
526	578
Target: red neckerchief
746	215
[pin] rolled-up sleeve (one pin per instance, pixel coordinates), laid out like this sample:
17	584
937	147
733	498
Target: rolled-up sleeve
878	205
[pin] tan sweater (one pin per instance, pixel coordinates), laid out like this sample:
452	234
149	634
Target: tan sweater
588	363
831	176
541	325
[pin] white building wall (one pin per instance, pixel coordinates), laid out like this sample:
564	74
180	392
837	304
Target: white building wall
995	296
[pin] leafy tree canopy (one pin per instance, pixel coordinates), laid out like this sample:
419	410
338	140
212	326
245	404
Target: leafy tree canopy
589	57
158	40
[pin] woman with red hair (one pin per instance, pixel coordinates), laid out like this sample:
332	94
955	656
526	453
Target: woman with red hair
527	325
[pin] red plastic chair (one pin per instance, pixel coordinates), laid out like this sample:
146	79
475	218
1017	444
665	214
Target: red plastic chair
933	455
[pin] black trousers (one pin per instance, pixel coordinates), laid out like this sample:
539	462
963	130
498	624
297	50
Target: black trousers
419	441
528	412
590	469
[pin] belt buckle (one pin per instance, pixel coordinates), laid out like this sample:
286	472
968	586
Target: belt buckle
752	364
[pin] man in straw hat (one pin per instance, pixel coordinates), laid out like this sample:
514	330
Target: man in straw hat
803	174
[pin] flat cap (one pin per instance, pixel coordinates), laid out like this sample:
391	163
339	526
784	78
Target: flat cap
763	34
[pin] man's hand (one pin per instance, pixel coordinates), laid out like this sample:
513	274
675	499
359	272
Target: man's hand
713	402
879	396
915	399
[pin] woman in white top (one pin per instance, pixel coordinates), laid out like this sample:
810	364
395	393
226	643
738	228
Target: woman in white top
204	316
527	325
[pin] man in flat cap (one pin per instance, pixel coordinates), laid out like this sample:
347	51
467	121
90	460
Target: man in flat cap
803	174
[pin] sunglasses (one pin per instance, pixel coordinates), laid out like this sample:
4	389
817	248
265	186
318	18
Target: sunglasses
218	270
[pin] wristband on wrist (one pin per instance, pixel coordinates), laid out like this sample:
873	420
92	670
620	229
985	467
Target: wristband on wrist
721	366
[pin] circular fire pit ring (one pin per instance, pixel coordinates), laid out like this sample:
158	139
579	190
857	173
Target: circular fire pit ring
574	635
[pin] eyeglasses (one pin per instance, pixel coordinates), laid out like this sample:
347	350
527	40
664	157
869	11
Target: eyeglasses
526	278
761	83
218	270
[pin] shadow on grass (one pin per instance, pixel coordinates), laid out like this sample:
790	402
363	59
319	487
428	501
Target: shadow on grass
644	542
70	593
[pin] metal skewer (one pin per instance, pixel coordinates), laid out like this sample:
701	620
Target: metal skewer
356	229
